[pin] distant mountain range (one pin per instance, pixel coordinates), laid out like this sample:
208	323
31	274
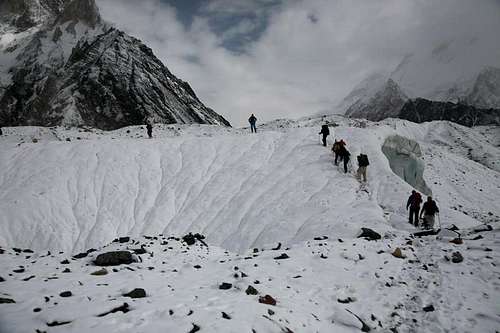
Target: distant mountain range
444	74
61	64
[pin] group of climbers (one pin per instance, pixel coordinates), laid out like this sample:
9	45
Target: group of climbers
429	209
427	214
341	153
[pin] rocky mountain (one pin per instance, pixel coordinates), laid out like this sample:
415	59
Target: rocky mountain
421	110
61	64
386	102
457	71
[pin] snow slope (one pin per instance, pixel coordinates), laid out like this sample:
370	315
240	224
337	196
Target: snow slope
239	190
68	190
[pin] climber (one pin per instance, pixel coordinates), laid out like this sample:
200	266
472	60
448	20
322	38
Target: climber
149	127
336	149
413	203
326	132
344	155
429	211
362	165
252	120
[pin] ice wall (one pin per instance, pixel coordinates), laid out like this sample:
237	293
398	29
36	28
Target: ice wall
405	160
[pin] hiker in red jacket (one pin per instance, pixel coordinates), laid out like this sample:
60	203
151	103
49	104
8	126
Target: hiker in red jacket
413	203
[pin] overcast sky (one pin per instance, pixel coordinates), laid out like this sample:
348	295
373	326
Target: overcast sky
290	58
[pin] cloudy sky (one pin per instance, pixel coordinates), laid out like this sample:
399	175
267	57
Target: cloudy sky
290	58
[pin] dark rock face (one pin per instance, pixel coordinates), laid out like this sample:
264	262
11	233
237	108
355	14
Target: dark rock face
421	110
385	104
114	258
108	80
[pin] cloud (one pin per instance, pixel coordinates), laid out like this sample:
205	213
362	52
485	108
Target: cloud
298	57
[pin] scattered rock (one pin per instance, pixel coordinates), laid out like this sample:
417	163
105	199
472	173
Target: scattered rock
140	250
225	315
345	300
114	258
65	262
282	256
270	312
321	238
122	308
369	234
57	323
29	278
136	293
225	286
190	239
37	309
251	291
66	270
19	270
66	294
457	241
2	279
102	271
267	299
277	247
6	300
428	308
457	257
123	239
398	253
195	328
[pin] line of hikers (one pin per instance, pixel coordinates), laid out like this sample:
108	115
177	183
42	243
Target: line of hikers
429	210
341	153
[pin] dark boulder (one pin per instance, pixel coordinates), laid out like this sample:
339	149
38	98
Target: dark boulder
251	291
267	299
457	257
6	300
225	286
136	293
114	258
369	234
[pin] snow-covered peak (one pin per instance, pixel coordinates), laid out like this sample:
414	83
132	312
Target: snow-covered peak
485	93
68	67
384	102
448	64
363	91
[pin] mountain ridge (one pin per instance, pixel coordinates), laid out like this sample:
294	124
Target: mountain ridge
71	68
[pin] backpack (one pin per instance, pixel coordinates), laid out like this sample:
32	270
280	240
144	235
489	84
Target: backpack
363	160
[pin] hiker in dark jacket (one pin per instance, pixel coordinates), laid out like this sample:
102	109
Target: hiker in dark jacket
413	203
149	128
326	132
362	165
344	154
337	146
252	120
429	211
336	150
